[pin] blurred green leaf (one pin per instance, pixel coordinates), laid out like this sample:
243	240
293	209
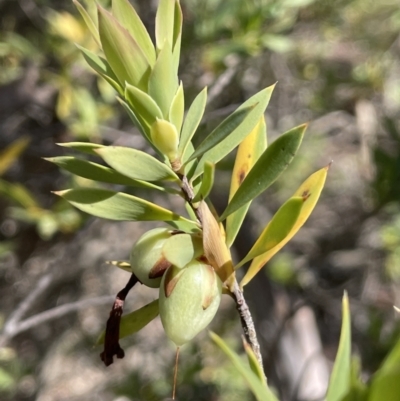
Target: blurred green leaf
385	385
88	21
223	131
253	362
120	206
135	321
129	19
19	194
122	52
192	121
84	147
11	153
259	389
277	229
267	169
339	383
97	172
136	164
219	151
177	108
144	107
248	153
309	190
163	81
207	182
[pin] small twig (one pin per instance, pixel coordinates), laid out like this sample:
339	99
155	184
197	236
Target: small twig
51	314
247	322
111	341
175	372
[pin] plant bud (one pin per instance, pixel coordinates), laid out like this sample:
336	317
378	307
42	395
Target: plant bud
166	139
189	300
147	260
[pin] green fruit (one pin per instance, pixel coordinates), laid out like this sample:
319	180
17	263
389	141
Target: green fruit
160	248
189	300
147	260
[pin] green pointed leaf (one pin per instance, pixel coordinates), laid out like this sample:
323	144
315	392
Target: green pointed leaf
219	151
136	121
267	169
385	384
163	82
129	19
248	153
135	321
177	36
177	109
223	131
102	67
144	107
260	390
84	147
19	194
253	362
97	172
339	383
120	206
88	21
165	23
192	121
136	164
122	52
277	229
310	190
207	182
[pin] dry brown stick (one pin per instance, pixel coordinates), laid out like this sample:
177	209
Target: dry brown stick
247	322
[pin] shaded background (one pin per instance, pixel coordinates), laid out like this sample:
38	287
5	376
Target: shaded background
338	67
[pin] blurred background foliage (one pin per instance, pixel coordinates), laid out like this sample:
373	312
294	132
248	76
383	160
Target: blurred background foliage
337	65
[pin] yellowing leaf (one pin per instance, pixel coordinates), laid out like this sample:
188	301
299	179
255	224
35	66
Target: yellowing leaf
248	153
311	190
10	154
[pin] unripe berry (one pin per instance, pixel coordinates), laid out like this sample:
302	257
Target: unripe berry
189	300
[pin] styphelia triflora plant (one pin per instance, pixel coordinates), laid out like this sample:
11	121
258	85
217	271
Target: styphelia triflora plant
189	259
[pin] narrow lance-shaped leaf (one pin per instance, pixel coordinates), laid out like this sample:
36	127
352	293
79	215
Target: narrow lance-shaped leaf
219	151
135	321
163	82
122	52
192	121
310	190
11	153
253	362
122	264
260	390
339	383
136	164
144	107
177	108
248	153
165	23
222	131
127	15
84	147
385	384
207	182
88	21
102	67
97	172
267	169
177	37
120	206
277	229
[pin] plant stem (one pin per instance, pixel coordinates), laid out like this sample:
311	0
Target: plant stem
247	322
237	294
